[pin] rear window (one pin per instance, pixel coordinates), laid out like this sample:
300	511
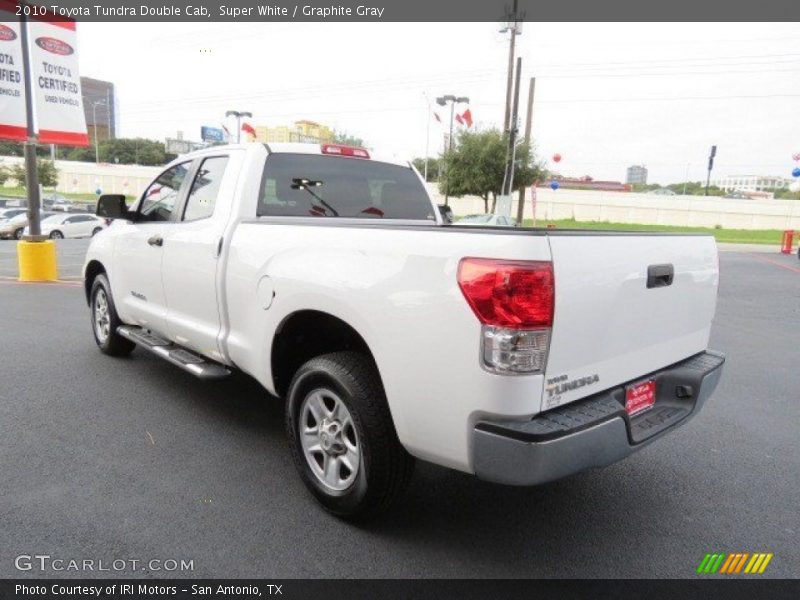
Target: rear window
311	185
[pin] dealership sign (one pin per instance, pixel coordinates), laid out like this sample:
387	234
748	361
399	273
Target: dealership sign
55	81
12	84
211	134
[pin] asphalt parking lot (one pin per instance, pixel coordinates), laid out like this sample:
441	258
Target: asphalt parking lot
110	459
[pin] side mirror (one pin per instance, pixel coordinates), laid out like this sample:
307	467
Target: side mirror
113	206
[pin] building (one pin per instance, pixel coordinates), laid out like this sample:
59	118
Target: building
751	183
302	131
179	145
100	108
636	174
588	183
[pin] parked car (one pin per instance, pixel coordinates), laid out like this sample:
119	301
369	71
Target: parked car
58	226
14	227
57	202
7	213
487	220
325	272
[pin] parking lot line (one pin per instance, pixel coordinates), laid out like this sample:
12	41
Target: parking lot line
774	262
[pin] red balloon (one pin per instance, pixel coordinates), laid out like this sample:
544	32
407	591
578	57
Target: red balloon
557	157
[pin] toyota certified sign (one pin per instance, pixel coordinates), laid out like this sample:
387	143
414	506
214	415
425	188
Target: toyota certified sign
7	34
55	46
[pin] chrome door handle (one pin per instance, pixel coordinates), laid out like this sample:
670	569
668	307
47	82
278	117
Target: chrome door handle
156	240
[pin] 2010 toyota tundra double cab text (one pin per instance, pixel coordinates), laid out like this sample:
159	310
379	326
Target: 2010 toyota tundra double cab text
325	272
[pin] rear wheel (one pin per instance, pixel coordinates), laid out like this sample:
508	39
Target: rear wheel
105	320
96	230
56	235
342	436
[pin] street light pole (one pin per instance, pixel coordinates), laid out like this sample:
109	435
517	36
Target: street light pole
239	114
442	101
31	174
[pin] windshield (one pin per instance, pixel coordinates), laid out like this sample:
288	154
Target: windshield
304	185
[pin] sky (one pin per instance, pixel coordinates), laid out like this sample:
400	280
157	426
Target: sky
607	95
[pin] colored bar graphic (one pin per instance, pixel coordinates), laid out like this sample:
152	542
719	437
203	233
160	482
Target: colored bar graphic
734	562
730	561
741	562
701	567
766	562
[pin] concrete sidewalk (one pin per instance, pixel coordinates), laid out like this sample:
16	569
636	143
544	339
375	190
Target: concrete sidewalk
767	248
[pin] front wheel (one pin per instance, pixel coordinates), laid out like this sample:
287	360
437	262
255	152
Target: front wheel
18	233
96	230
56	235
105	320
342	436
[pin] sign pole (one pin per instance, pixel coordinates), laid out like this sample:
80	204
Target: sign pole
31	175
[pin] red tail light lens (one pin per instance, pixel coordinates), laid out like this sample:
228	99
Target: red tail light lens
339	150
507	293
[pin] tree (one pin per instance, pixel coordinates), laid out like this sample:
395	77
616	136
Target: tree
433	167
125	151
476	165
4	175
48	174
10	149
696	188
342	137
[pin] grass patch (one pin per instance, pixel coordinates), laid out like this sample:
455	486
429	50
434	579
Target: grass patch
19	192
732	236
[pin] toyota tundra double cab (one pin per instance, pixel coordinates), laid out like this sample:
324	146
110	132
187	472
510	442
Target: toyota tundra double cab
325	272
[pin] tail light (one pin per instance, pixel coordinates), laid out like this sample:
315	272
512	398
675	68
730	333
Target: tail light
514	302
340	150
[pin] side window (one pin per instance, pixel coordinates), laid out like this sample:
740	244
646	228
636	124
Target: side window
205	187
160	197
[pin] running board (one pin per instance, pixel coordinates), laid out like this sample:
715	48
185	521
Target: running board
187	360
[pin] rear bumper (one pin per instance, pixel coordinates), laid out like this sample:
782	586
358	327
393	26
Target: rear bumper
593	432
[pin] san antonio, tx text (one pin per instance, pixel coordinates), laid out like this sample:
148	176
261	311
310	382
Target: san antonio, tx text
126	589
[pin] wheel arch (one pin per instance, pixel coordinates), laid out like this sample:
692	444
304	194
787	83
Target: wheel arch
92	270
305	334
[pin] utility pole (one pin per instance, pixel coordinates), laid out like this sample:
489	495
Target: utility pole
427	131
513	28
508	178
528	126
31	175
710	166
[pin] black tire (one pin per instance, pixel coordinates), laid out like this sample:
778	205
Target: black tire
385	467
18	233
56	235
112	344
96	230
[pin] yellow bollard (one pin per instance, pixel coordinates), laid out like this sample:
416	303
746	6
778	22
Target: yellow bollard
37	261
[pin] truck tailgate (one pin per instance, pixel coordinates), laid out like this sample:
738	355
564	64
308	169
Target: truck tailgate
609	327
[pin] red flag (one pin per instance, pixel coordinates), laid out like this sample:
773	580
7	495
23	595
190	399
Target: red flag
248	129
437	117
459	119
467	116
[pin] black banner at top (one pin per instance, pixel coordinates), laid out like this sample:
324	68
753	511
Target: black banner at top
410	10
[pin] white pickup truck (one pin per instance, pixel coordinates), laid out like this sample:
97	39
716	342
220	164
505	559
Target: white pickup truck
326	273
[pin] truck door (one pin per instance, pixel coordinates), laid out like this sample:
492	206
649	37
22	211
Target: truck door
138	252
192	247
